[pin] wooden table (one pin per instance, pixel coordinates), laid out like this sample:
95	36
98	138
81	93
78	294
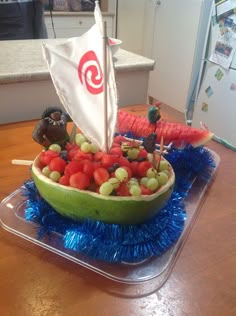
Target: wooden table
34	281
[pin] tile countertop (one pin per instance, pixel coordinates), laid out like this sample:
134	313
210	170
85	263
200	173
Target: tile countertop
22	61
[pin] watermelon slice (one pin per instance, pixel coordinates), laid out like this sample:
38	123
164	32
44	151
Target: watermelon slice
179	134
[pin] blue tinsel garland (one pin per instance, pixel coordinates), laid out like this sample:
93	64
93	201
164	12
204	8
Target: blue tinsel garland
129	243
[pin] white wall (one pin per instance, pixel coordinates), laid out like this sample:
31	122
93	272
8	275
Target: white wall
111	6
130	28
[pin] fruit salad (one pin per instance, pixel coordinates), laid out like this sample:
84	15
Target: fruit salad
127	170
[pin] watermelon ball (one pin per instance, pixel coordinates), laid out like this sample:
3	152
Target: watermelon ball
79	180
64	180
101	175
108	161
143	168
47	156
57	164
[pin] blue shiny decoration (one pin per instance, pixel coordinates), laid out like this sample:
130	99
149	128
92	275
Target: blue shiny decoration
129	243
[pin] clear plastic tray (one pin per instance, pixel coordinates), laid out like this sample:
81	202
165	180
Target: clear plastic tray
156	269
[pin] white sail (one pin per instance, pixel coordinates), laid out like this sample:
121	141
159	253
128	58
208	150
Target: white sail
76	68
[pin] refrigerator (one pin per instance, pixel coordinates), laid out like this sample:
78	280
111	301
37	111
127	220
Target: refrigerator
212	94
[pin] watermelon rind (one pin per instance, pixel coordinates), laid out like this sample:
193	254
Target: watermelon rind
83	204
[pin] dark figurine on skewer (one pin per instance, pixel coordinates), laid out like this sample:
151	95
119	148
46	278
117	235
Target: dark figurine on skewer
52	128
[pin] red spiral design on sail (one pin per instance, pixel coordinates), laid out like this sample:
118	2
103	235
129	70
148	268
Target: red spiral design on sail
90	72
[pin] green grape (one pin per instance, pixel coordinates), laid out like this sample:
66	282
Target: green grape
79	139
152	184
55	147
121	174
164	165
106	188
135	190
144	181
85	147
55	176
46	171
132	153
93	148
167	172
132	181
115	182
151	173
162	178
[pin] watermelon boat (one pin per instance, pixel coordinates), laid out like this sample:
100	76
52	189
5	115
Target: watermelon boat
120	183
87	204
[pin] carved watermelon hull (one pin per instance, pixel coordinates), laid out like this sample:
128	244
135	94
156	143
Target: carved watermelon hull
179	134
83	204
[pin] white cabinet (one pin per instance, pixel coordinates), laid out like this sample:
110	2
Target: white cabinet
74	25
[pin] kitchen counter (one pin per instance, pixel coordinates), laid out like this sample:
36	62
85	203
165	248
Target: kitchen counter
76	13
22	61
26	86
35	281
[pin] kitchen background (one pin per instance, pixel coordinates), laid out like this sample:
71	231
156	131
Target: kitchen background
161	30
180	36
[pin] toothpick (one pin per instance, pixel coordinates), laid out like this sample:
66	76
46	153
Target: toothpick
167	147
161	151
22	162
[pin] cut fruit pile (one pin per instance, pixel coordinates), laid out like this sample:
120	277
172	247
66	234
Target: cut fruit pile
126	185
126	170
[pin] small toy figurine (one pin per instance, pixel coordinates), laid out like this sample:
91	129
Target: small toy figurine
154	113
51	129
149	143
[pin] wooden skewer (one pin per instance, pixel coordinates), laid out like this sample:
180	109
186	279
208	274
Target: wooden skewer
157	145
161	151
22	162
